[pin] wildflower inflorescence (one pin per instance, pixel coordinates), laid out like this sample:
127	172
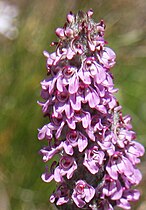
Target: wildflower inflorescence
87	130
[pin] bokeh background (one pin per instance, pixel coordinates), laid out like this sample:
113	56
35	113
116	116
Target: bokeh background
26	29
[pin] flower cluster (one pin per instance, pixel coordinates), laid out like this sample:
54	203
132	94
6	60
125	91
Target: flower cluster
95	143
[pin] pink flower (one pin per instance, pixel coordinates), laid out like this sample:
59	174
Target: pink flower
112	188
107	57
49	151
61	196
82	193
67	166
118	164
93	159
75	139
128	196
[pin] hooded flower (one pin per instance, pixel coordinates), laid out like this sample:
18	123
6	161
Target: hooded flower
93	159
67	166
75	139
119	164
82	193
61	196
128	196
49	151
112	189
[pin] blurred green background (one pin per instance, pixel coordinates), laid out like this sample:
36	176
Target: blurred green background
22	67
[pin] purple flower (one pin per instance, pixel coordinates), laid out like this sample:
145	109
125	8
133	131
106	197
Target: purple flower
107	144
67	166
82	193
134	151
75	139
118	164
61	196
112	188
49	176
93	159
62	104
95	144
49	151
84	117
128	196
107	57
47	131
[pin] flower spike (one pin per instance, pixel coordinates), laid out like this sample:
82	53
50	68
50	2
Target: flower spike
86	129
